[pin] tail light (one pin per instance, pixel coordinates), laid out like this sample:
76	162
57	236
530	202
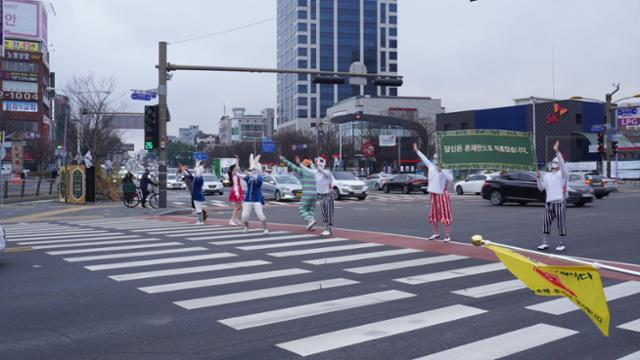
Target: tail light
587	182
486	184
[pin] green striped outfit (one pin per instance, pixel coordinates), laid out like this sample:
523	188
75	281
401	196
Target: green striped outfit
307	206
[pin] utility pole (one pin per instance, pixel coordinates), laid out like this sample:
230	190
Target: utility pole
609	121
162	125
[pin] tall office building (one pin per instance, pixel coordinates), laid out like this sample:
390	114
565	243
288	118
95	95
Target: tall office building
330	35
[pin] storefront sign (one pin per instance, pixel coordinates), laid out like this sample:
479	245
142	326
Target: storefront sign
387	140
22	55
22	45
16	95
25	19
19	86
17	157
19	76
20	106
486	149
628	118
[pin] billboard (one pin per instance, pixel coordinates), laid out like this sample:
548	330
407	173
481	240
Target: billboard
19	86
628	118
22	55
22	45
25	19
19	106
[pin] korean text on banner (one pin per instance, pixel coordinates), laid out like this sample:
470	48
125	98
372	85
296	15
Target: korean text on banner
580	284
486	149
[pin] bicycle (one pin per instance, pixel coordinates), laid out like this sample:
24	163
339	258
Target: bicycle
131	199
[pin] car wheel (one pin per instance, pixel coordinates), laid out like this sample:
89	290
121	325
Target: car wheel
606	194
496	198
600	196
387	189
579	204
459	190
362	197
336	194
377	186
406	189
277	196
425	192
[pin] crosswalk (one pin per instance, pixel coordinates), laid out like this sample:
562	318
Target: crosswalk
254	281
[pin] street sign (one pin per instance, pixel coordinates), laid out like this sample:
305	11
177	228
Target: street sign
200	156
268	147
142	96
598	128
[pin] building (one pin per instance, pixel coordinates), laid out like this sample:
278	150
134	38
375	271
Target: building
26	105
244	127
188	135
206	141
330	35
62	116
365	120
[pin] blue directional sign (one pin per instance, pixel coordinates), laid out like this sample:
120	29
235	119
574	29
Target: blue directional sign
200	156
142	96
268	147
598	128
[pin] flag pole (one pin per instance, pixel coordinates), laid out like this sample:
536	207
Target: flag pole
478	240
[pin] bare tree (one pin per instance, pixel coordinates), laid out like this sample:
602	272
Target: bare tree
43	152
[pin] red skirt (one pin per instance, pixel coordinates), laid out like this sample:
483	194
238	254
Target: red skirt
440	209
236	199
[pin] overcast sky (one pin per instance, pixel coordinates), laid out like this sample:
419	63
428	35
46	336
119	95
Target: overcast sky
469	54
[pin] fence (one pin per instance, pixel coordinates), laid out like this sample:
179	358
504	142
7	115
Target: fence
28	188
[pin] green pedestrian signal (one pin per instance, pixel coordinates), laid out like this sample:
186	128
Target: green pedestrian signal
151	127
148	145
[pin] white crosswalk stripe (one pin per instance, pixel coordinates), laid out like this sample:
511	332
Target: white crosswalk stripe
369	255
188	270
221	280
54	235
500	346
563	305
304	311
26	233
78	240
632	325
323	250
288	244
158	261
134	254
492	289
83	235
377	330
94	243
450	274
233	298
633	356
175	229
248	238
236	231
404	264
112	248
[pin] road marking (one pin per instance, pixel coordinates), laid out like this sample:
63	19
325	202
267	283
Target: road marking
221	280
370	255
450	274
614	292
237	231
233	298
404	264
112	248
84	235
146	224
291	243
304	311
111	242
634	356
54	235
158	261
110	237
200	230
632	325
134	254
188	270
173	229
503	345
377	330
323	250
492	289
252	240
37	231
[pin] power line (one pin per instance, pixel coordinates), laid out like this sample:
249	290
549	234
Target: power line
224	31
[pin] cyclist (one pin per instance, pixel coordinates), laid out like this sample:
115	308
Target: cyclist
128	187
144	186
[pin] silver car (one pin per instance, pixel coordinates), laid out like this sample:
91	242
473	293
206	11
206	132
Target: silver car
281	187
376	181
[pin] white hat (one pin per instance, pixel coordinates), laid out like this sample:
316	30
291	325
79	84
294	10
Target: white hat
254	163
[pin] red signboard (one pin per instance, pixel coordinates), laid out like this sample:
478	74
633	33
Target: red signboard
367	149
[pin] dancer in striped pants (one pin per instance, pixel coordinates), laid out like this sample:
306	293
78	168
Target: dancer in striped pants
439	201
307	206
554	183
325	194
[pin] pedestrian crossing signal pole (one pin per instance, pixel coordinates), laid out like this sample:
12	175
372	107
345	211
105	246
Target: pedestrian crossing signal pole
162	122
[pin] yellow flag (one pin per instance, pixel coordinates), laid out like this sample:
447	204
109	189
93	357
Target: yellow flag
580	284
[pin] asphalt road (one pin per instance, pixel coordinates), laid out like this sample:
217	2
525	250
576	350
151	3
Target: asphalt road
74	286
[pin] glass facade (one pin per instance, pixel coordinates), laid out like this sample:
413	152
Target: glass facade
330	35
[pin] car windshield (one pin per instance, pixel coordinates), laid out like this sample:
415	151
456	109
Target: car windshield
344	176
210	178
287	180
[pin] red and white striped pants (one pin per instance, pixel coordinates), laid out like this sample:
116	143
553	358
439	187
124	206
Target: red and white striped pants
440	208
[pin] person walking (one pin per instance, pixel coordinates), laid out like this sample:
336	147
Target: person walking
145	181
236	195
198	195
253	197
187	177
439	201
324	187
554	183
307	206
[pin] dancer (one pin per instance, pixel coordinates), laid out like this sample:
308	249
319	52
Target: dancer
197	195
235	194
554	183
324	187
253	196
440	203
307	206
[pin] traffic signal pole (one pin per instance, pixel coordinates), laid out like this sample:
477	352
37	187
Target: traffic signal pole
162	123
610	121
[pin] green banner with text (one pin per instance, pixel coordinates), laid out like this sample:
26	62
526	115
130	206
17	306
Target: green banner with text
486	149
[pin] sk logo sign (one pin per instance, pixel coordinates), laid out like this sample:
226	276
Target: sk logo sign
558	111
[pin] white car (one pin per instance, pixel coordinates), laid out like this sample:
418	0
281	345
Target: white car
346	184
212	185
376	181
472	184
175	184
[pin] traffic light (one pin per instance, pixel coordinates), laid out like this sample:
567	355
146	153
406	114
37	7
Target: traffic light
151	128
387	82
600	142
328	79
614	147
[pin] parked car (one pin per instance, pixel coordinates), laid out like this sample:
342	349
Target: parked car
377	181
281	187
407	183
521	187
212	185
472	184
610	185
346	184
591	179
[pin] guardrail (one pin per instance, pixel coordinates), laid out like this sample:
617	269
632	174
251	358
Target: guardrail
30	187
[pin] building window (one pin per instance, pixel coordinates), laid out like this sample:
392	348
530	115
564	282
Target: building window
302	26
393	8
302	101
302	2
393	92
393	44
393	19
393	55
302	64
578	119
313	59
393	31
302	39
302	51
302	14
313	33
383	37
302	113
302	89
383	61
383	13
313	9
393	67
464	126
447	127
302	77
